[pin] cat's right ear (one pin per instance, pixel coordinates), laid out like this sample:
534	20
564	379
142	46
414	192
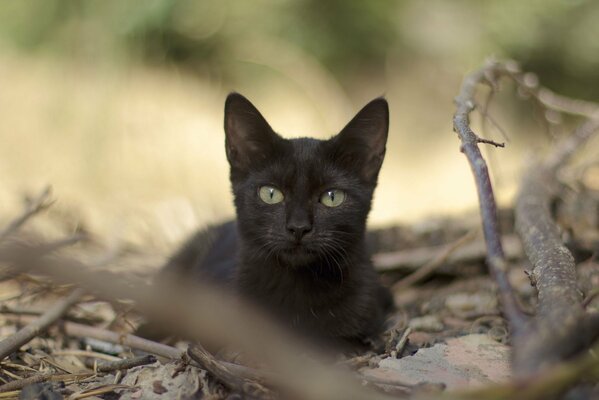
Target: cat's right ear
248	137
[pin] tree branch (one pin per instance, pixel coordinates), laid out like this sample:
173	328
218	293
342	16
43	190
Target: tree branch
223	374
561	323
465	103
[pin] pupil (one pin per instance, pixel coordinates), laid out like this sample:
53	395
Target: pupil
332	196
271	192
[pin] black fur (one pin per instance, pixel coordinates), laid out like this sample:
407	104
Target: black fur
320	281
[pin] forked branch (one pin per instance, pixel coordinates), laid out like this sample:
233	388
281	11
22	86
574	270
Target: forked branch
496	261
561	327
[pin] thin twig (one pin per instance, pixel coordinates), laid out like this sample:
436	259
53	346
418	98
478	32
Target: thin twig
98	391
529	83
401	343
24	335
430	267
489	141
75	329
414	259
21	383
39	203
484	110
126	363
86	353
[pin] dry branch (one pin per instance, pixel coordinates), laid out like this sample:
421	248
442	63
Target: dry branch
230	379
465	103
473	252
428	268
561	323
529	84
127	363
24	335
21	383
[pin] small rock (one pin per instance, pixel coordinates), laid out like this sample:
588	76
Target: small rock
39	391
461	303
160	382
427	323
158	388
462	362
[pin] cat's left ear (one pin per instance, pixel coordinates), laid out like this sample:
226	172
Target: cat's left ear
361	144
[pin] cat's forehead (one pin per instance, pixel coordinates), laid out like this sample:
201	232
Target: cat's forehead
301	161
305	158
306	150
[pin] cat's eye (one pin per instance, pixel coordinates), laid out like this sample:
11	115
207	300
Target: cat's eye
332	198
270	195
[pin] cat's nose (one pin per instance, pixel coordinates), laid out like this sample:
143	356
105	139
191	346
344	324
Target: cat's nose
299	230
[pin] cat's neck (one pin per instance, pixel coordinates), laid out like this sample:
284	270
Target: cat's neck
324	272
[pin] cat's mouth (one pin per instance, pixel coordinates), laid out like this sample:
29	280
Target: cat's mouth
297	254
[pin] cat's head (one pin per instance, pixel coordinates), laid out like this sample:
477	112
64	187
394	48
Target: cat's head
303	200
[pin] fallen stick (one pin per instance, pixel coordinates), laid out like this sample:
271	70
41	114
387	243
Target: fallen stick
98	391
430	267
78	330
230	379
126	363
39	325
413	259
38	378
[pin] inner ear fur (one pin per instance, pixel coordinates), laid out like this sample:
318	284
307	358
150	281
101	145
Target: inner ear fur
248	136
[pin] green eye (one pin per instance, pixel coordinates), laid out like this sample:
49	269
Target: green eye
332	198
270	195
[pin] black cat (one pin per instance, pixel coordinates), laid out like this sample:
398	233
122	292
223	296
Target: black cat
297	248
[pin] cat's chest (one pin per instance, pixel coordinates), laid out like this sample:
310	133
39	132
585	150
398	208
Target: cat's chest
302	295
310	310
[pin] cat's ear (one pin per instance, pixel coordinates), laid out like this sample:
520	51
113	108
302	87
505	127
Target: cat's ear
361	144
248	137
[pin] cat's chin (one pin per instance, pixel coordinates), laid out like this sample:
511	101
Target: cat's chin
297	256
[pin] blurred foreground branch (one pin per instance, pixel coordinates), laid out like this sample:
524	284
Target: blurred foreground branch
189	310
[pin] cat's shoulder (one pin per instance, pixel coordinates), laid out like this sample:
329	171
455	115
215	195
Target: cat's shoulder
210	253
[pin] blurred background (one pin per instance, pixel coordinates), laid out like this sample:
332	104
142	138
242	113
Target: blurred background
119	104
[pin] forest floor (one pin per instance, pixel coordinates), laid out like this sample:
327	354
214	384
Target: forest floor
447	332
